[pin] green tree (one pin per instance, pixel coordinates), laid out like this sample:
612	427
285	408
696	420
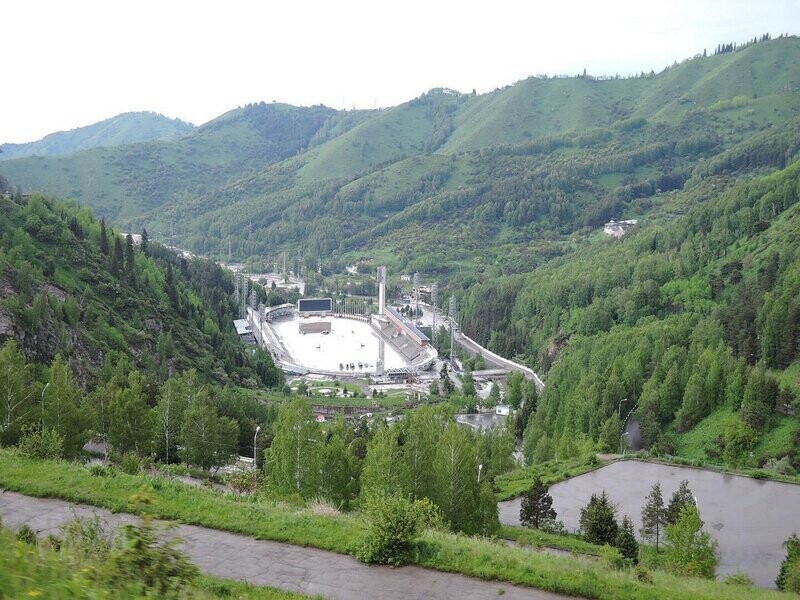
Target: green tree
681	497
537	505
422	430
654	515
626	541
294	462
598	520
130	418
385	466
610	433
530	399
789	574
103	237
494	396
117	257
62	410
130	260
758	403
340	467
690	550
456	479
207	439
514	385
145	243
17	393
468	385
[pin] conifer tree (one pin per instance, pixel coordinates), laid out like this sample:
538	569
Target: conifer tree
598	521
116	259
682	497
626	541
103	237
145	241
130	267
789	575
537	505
654	515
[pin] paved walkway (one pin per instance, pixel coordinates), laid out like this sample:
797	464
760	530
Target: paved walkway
275	564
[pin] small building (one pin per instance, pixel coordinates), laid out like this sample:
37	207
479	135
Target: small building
243	330
405	277
618	228
502	410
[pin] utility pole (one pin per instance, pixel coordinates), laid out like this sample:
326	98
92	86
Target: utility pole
416	297
434	301
452	326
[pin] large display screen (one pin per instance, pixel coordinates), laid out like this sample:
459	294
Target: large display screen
315	305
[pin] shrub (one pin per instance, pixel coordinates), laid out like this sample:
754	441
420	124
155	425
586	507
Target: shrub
393	523
26	535
47	444
87	538
738	578
145	558
130	464
612	557
643	575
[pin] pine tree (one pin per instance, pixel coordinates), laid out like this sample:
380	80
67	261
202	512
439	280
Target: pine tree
103	237
144	243
598	521
626	541
682	497
537	505
654	515
790	563
116	259
130	267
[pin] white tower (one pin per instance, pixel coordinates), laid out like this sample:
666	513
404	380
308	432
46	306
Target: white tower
381	290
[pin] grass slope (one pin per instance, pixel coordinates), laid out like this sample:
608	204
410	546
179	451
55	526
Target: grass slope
477	557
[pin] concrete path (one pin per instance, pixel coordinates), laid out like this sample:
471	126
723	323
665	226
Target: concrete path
275	564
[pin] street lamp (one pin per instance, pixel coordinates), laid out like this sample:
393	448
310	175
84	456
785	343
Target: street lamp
622	440
44	389
480	468
619	407
255	463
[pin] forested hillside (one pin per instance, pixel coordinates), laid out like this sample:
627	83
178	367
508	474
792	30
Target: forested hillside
127	128
696	318
499	176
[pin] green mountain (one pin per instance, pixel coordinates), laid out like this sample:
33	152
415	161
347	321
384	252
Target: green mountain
127	128
70	286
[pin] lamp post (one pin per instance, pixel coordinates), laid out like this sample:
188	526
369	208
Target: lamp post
44	389
255	463
480	468
619	407
622	441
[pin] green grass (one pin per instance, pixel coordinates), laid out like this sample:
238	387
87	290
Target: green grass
512	484
38	572
694	443
536	538
265	519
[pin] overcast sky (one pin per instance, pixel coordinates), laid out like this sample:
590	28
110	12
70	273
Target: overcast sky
66	64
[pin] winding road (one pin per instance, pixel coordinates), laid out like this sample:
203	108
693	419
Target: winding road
294	568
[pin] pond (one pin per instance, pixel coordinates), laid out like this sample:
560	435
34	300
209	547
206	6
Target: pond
750	518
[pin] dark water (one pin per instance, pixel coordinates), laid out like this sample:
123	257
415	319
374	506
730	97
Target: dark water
749	518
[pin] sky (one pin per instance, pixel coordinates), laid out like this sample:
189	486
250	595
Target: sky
70	64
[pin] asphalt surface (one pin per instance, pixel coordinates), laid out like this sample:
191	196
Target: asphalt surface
749	518
294	568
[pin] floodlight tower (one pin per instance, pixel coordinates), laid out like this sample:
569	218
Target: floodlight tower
434	301
452	325
381	277
416	297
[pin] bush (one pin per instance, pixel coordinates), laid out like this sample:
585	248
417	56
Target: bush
612	557
47	444
145	559
643	575
738	578
26	535
87	538
393	523
130	464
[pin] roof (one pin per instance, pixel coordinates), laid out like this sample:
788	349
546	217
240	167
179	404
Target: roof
242	326
408	324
